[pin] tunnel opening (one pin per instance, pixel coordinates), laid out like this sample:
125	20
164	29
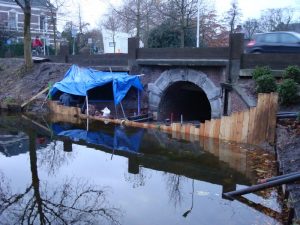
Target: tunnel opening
186	99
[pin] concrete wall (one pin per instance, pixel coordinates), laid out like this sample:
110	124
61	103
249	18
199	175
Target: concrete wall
274	61
182	53
107	60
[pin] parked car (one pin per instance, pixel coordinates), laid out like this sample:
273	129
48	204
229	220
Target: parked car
274	42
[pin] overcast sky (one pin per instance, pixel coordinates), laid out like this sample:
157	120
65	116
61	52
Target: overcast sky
92	10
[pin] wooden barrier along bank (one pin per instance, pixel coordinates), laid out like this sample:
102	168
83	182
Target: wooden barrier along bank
254	126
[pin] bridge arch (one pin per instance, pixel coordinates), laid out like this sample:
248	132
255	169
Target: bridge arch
187	92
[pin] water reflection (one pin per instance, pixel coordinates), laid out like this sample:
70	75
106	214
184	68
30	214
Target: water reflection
72	202
173	177
117	140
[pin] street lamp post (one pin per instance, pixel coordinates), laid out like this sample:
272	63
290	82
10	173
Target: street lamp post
198	15
73	31
73	46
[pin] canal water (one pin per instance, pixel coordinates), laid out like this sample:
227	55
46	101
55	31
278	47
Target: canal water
63	171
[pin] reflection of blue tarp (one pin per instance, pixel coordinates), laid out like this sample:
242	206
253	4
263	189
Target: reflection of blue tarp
117	141
78	81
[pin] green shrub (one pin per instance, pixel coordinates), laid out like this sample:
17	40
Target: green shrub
260	71
292	72
287	92
9	100
266	84
13	50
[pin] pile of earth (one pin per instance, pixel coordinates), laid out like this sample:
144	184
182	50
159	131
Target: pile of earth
18	85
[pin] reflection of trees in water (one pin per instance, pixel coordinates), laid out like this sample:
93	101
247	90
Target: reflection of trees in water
53	157
139	179
174	185
73	202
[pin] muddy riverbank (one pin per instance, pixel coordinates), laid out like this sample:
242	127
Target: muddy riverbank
288	157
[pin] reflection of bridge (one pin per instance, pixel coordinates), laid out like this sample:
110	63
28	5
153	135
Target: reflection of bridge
177	157
197	160
14	144
185	151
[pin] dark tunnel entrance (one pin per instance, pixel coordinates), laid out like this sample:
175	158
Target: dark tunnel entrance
186	99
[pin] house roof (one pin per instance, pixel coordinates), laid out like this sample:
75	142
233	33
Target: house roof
34	3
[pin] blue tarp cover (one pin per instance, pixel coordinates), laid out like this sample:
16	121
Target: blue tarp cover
119	140
79	80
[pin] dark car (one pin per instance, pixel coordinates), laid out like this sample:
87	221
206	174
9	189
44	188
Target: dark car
274	42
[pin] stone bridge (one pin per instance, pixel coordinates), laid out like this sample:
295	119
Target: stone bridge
185	83
197	83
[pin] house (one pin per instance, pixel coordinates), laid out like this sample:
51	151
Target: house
12	20
115	41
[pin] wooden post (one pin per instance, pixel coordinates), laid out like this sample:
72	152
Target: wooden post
87	105
272	118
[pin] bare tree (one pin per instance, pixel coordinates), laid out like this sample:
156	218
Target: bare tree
82	28
137	180
55	158
53	6
251	26
175	185
26	8
137	17
232	16
112	25
276	19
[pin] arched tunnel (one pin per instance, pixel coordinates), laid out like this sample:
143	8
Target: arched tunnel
186	99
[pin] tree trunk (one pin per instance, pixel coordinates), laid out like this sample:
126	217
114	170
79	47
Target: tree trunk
54	35
27	38
182	37
114	42
35	176
138	19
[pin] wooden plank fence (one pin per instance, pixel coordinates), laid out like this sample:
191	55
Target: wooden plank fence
253	126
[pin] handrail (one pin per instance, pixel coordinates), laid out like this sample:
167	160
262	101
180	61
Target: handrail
275	181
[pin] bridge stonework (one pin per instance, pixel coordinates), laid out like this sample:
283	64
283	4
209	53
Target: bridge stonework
197	77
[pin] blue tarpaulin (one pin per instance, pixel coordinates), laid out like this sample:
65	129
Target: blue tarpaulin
119	140
79	80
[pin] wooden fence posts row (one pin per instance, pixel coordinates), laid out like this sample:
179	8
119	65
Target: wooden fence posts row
253	126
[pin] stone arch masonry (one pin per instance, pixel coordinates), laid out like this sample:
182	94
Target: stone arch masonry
168	77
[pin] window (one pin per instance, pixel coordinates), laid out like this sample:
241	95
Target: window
42	22
270	38
111	44
288	38
3	19
12	20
